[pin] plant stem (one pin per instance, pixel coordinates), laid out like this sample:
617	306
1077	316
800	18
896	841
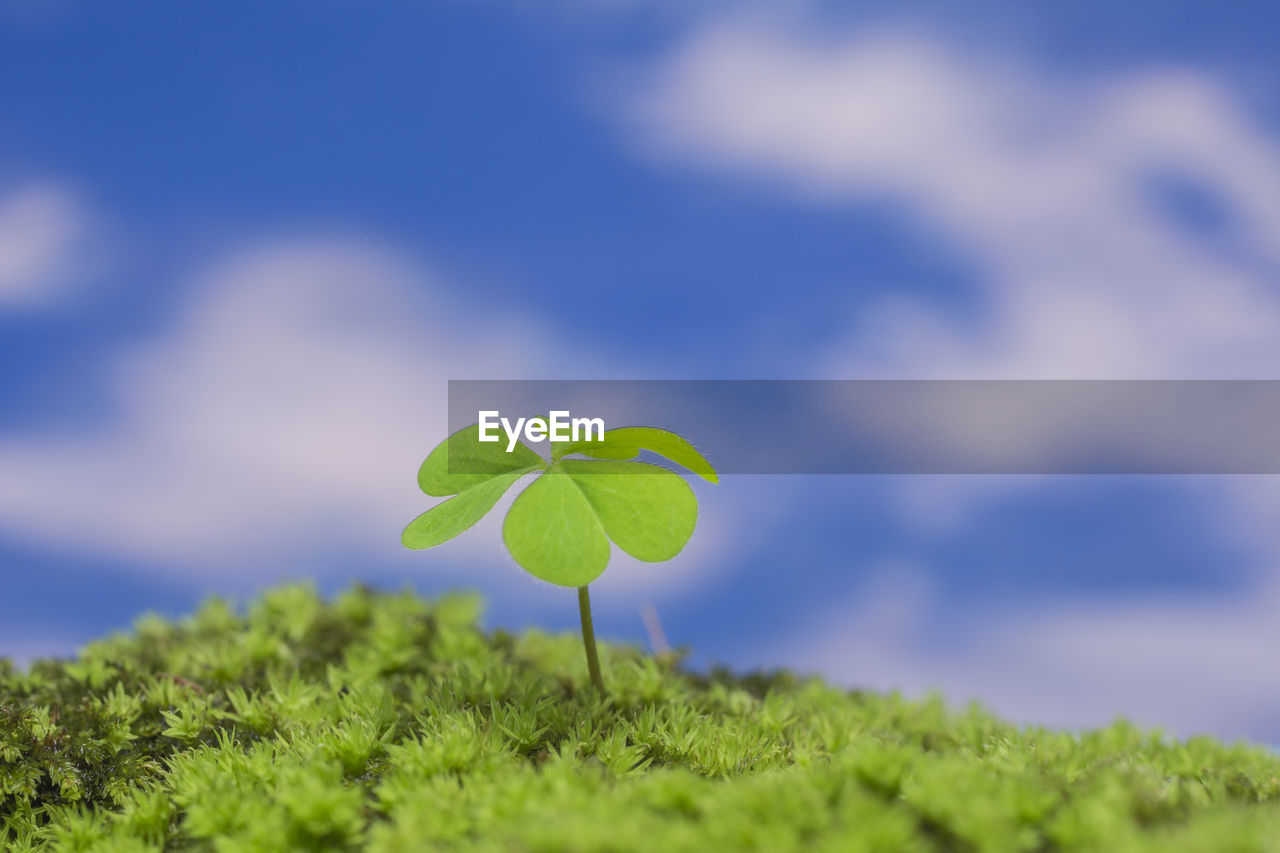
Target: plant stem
589	639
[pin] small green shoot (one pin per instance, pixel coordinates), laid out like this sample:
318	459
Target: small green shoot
559	528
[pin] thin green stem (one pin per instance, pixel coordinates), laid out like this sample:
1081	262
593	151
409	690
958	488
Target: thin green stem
589	639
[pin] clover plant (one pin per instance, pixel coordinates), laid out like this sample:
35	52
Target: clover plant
558	529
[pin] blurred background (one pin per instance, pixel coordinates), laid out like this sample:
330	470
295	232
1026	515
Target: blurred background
243	247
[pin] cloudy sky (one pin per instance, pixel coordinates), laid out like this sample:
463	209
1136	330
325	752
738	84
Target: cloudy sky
242	250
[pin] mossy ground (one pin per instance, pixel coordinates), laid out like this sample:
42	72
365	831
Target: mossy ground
389	723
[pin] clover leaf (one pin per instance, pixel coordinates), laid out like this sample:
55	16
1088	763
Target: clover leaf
627	442
462	460
560	527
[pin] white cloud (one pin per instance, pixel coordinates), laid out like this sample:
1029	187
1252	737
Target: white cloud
44	247
281	419
1188	665
1044	184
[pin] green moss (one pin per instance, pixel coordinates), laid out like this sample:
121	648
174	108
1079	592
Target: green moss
388	723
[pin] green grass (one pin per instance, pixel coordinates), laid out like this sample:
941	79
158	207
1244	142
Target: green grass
385	722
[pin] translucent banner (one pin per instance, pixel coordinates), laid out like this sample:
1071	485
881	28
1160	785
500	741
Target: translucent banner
912	426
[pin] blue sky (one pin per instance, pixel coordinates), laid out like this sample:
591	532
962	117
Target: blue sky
242	250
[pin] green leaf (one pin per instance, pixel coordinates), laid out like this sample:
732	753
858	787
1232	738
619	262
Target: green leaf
446	520
648	511
627	442
599	450
462	461
554	534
